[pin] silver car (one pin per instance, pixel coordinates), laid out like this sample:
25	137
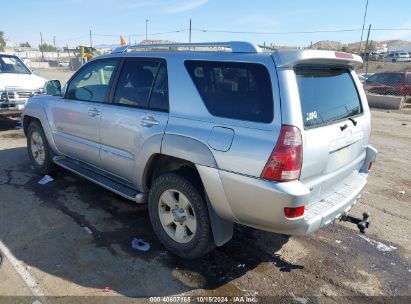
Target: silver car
397	57
276	140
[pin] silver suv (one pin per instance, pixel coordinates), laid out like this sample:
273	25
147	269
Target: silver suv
275	140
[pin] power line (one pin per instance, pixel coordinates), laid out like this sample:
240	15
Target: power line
140	35
298	32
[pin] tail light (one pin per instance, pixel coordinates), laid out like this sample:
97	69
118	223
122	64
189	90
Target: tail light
294	212
402	89
285	161
369	166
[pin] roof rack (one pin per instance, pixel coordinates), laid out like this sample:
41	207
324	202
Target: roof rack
235	46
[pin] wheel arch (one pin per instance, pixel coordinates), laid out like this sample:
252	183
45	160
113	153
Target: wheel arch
35	112
159	164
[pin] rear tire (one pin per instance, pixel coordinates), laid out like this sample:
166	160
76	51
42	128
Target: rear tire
39	151
179	216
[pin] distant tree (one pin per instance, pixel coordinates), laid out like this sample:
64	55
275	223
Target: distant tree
47	48
344	49
25	44
2	42
372	46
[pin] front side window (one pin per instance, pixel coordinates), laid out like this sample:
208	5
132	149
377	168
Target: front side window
326	95
12	64
91	83
234	90
135	83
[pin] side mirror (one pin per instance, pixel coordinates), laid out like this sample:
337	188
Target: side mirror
53	87
35	72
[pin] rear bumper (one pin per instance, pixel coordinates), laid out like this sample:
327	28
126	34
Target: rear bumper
260	204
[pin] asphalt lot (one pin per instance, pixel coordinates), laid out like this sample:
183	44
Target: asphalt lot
73	238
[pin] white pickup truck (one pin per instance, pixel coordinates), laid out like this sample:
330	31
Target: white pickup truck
17	85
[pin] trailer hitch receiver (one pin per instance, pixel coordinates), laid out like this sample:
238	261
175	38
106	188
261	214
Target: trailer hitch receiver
362	223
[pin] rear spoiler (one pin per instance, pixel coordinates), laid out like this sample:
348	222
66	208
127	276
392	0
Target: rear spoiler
291	58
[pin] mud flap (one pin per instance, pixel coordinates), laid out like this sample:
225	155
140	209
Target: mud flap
222	229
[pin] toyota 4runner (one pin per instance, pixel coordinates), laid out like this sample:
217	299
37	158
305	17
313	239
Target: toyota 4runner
275	140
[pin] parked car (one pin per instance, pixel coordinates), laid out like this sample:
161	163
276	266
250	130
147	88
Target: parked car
397	57
273	140
370	56
363	76
389	83
17	84
63	64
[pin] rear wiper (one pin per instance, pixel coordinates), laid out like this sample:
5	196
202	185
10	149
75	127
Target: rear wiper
354	122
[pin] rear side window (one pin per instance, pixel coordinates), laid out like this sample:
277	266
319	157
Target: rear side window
233	89
326	95
387	78
135	83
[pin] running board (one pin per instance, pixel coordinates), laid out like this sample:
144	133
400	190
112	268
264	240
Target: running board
102	179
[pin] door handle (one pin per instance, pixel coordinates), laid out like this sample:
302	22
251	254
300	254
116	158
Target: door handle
149	121
92	112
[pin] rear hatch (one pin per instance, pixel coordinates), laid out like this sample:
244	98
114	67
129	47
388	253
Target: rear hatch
334	126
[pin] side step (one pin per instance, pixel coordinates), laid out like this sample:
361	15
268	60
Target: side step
101	178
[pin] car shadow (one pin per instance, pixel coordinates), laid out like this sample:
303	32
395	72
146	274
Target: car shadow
75	230
8	123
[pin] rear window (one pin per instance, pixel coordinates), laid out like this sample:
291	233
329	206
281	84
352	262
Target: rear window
234	89
326	95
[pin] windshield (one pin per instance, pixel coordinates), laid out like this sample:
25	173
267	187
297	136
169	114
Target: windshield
12	64
327	95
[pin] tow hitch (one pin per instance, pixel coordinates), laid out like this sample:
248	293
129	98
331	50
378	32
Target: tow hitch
362	223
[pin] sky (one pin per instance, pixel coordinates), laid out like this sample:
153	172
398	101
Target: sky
266	21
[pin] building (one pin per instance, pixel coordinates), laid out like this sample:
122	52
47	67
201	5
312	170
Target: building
399	48
381	48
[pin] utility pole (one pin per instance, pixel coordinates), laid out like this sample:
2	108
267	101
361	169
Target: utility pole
366	46
363	24
91	42
146	28
129	40
54	41
41	45
189	35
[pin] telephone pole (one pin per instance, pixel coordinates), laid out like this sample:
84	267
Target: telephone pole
366	47
91	42
189	35
54	41
146	28
41	45
363	24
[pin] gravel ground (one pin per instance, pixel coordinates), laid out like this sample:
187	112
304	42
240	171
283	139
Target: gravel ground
71	241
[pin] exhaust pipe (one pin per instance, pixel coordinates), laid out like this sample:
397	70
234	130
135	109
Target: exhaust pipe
362	223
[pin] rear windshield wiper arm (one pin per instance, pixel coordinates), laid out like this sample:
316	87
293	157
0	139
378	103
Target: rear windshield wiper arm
354	122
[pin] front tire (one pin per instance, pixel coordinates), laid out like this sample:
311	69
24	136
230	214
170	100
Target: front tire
38	149
179	216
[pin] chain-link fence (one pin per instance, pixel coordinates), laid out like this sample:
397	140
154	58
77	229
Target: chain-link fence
387	76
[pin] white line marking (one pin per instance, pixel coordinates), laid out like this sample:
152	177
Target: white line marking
23	273
380	246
